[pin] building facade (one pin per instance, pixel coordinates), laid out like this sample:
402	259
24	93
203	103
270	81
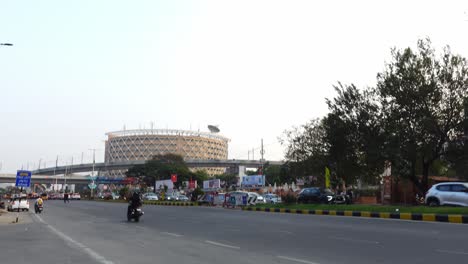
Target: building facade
143	144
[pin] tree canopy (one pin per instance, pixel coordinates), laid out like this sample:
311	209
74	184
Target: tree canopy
415	117
161	167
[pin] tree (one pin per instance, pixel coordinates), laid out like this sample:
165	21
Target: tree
227	179
422	99
162	167
416	118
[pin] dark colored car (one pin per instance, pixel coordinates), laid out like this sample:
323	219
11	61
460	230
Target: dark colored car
315	195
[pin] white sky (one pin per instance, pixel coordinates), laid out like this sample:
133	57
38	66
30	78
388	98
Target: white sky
80	69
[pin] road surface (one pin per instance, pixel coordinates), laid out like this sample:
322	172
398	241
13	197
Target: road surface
97	232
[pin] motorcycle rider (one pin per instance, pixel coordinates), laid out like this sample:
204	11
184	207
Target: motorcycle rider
39	202
135	202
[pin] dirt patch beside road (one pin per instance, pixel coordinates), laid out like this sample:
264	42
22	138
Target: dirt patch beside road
7	218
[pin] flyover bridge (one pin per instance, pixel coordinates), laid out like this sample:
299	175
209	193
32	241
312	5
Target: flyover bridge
105	166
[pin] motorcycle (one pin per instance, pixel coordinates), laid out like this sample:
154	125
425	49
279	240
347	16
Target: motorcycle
341	199
134	213
38	208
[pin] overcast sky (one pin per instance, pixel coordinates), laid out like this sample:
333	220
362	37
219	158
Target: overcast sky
79	69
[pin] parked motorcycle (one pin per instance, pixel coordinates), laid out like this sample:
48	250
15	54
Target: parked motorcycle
341	199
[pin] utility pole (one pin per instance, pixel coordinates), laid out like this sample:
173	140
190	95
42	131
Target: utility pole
262	161
92	176
39	167
82	153
56	184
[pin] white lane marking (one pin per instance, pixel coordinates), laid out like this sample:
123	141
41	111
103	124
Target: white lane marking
452	252
286	232
221	244
93	254
171	234
297	260
355	240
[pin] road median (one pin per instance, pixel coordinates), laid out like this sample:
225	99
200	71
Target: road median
427	214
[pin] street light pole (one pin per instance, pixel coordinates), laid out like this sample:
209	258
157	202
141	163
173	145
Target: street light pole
92	176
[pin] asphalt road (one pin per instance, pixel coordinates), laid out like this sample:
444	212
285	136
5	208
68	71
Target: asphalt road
97	232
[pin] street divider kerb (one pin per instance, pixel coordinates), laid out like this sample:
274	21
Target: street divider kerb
171	203
446	218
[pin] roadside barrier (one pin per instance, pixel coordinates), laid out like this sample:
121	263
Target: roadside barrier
171	203
447	218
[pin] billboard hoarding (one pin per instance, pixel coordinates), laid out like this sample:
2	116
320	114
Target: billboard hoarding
212	184
160	184
253	181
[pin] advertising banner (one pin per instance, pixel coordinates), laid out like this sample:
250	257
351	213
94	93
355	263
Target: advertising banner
168	183
212	184
253	181
190	184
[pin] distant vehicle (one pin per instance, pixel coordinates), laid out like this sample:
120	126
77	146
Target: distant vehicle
169	197
258	198
272	198
315	195
14	204
449	193
150	197
75	196
182	198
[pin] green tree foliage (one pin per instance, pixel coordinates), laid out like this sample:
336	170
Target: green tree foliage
422	99
414	117
161	167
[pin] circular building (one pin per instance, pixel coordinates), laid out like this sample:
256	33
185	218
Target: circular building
143	144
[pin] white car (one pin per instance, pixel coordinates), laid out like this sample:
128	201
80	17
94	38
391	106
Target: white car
448	193
14	204
272	198
257	198
182	198
150	197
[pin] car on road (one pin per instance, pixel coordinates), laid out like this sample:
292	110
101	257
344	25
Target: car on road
150	197
169	197
272	198
182	198
257	198
315	195
15	203
75	196
448	193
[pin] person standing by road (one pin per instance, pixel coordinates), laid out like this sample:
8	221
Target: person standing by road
65	198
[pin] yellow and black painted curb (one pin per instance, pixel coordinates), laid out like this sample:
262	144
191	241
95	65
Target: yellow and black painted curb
447	218
171	203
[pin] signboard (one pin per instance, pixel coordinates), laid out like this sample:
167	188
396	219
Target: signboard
92	186
212	184
192	184
168	183
237	198
253	181
23	178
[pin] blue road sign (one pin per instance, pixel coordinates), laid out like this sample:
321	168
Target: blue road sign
23	178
